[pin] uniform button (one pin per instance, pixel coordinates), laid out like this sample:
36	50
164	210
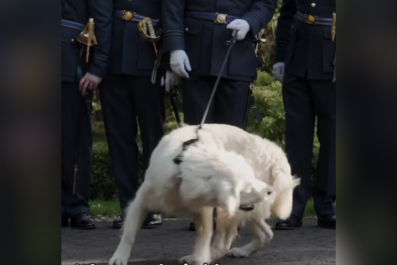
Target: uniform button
313	4
72	40
187	29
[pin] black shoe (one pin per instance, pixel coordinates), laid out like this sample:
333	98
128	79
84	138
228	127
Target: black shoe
192	227
152	220
289	224
118	223
327	221
82	221
64	221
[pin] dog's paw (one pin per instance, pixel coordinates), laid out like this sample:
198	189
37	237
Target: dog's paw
118	260
238	253
269	238
191	260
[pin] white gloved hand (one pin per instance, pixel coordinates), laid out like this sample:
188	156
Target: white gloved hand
240	26
178	62
278	71
171	79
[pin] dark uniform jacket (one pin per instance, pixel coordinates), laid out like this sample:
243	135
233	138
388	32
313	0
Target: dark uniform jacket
128	53
306	49
205	41
73	52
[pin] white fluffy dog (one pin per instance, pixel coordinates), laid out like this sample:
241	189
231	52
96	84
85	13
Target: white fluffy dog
224	168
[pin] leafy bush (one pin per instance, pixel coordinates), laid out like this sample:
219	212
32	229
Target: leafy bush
103	186
268	99
102	181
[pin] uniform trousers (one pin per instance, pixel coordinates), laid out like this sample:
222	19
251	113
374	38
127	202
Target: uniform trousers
304	101
128	101
76	146
229	106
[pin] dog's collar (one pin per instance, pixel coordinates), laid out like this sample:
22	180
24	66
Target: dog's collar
247	208
185	145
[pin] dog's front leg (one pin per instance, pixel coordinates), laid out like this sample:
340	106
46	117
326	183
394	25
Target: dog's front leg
226	231
204	227
262	233
132	223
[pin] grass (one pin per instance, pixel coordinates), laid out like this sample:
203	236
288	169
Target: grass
112	208
105	208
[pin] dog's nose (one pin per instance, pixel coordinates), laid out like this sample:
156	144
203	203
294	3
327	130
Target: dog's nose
269	193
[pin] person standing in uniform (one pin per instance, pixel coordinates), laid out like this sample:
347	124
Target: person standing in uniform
306	50
195	35
129	98
79	79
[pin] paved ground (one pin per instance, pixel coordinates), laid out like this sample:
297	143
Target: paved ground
308	245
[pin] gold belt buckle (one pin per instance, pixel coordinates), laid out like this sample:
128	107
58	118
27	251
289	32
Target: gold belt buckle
311	20
128	15
221	18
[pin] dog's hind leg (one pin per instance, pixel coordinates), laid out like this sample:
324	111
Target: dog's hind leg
226	232
262	234
204	227
133	222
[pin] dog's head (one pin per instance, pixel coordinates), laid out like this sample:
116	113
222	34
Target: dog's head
239	186
255	191
251	190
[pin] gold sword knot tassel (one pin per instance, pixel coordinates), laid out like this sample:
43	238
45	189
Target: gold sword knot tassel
88	37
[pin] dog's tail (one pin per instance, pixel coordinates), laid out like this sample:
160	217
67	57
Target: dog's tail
283	184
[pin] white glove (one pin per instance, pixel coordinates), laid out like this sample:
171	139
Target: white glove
171	79
278	71
240	26
178	62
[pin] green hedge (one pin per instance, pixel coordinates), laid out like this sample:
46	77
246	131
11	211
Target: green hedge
268	99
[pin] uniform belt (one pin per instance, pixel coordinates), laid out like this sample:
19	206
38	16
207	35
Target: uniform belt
314	20
132	16
71	24
214	17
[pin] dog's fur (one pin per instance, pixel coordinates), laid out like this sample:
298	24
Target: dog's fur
225	168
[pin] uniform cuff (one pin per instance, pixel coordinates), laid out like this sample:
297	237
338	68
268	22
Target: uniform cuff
254	21
280	54
98	65
173	40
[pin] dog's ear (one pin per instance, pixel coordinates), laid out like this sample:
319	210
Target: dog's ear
284	185
229	198
232	203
